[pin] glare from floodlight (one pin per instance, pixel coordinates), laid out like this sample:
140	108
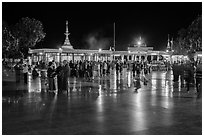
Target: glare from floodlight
139	42
99	50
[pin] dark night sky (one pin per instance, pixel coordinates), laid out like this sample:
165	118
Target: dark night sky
90	22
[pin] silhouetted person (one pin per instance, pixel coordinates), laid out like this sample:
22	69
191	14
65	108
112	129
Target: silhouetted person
65	70
175	69
199	79
35	73
18	72
187	75
59	73
51	74
25	73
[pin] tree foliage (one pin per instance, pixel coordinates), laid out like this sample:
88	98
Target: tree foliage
23	35
9	48
28	33
189	40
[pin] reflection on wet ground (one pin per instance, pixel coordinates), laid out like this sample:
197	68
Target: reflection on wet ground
105	105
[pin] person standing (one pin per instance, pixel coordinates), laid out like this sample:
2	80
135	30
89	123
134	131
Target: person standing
51	75
104	68
199	79
25	73
59	74
175	71
117	67
18	72
65	71
181	73
187	75
138	68
134	68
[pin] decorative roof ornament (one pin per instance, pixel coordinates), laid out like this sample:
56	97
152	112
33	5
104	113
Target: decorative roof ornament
67	42
168	44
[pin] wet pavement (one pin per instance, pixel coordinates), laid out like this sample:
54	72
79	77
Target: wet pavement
106	105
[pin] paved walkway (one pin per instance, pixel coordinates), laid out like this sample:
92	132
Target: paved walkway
104	106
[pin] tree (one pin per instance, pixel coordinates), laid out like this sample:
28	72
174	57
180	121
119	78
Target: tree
189	40
28	32
9	48
195	34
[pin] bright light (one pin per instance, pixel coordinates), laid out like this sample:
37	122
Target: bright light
60	49
99	50
139	42
167	50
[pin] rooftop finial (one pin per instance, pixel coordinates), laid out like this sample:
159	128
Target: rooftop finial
66	42
168	43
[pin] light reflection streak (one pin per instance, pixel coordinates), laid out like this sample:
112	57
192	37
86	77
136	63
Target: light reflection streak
100	100
80	86
69	87
179	85
129	79
113	84
52	108
99	90
34	85
74	85
29	83
139	117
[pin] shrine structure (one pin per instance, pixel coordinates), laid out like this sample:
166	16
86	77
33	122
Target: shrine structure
138	52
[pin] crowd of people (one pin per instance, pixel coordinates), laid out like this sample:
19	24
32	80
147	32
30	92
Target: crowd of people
188	73
88	70
58	73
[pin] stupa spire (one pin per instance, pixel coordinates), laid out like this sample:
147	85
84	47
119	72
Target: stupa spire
168	44
67	42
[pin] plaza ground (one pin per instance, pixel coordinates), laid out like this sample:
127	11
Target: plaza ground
104	106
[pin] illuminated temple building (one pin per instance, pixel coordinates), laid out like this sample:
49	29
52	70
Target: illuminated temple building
138	51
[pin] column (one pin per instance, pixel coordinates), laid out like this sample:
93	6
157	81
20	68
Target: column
60	57
139	58
145	58
122	57
72	57
151	57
